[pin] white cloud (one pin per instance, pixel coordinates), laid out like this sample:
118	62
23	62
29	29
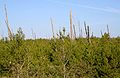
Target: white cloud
106	9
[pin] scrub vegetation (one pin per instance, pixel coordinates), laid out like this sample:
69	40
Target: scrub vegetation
61	57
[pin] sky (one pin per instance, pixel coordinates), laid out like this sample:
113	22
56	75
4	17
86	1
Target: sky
33	16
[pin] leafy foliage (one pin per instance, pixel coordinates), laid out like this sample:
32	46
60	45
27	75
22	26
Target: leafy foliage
60	58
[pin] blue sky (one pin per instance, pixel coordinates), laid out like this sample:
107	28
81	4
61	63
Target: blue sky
34	15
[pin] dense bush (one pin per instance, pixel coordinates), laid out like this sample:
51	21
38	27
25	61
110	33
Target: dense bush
60	58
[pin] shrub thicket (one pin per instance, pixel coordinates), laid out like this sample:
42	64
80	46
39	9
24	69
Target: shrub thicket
60	58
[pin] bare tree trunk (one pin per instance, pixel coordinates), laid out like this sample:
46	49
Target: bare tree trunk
85	28
71	32
88	34
6	21
74	31
52	28
108	30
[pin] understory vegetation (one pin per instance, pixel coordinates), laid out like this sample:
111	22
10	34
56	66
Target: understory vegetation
60	57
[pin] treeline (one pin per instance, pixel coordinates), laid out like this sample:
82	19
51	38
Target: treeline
60	58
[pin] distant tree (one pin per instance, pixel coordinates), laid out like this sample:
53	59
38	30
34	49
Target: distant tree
19	35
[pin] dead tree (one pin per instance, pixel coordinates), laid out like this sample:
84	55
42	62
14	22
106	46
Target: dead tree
52	27
79	29
10	35
74	31
108	30
71	24
87	31
85	28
